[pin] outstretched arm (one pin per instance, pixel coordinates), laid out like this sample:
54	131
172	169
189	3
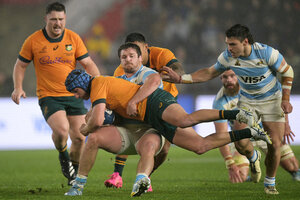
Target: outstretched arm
18	77
202	75
177	67
233	169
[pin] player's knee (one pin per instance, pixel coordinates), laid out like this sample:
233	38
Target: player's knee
148	148
93	141
60	132
201	149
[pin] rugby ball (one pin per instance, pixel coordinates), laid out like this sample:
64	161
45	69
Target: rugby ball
109	117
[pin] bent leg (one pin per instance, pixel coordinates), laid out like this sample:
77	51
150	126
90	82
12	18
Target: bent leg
162	156
147	146
174	114
76	137
244	146
107	138
288	161
59	124
275	130
187	138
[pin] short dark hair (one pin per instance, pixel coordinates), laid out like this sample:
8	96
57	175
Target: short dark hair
127	46
56	6
135	37
241	32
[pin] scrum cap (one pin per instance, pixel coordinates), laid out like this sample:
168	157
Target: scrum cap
78	79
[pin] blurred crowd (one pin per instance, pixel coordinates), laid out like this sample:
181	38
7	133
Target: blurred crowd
193	30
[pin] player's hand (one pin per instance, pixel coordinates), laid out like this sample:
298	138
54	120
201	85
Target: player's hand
286	107
88	115
17	94
83	129
234	174
131	109
288	134
168	74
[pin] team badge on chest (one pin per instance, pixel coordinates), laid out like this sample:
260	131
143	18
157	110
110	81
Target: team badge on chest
68	47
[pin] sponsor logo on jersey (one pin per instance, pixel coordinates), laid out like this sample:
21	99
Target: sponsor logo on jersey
68	47
253	79
47	60
261	62
160	104
237	63
45	110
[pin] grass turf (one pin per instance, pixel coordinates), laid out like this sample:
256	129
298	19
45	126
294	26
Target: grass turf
185	175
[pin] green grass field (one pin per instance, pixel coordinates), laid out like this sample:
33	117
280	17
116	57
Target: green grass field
36	175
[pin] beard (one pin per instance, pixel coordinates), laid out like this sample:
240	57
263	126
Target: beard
232	90
129	69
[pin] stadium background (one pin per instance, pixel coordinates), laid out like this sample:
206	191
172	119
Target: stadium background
192	29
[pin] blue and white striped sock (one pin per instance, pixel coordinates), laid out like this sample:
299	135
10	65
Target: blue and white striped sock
254	156
140	176
80	181
269	181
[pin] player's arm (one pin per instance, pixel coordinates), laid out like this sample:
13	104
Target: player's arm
177	67
151	83
18	77
89	66
95	119
233	169
287	76
288	133
202	75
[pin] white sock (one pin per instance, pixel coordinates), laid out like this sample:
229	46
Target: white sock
269	181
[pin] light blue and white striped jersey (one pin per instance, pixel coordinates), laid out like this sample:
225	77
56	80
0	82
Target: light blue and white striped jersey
140	76
256	73
224	102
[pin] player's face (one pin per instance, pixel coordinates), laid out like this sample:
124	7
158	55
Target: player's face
130	60
235	46
230	81
79	93
144	51
55	23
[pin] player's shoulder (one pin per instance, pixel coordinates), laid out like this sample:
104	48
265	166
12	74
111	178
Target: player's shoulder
147	69
159	50
262	51
36	34
220	95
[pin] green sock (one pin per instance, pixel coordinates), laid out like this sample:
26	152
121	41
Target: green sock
240	134
228	114
119	165
64	154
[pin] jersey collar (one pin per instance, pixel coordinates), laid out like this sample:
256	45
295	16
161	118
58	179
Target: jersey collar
51	40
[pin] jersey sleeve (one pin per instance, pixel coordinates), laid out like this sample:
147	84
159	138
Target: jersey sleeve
274	58
98	92
119	71
81	50
166	58
221	63
26	54
169	57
